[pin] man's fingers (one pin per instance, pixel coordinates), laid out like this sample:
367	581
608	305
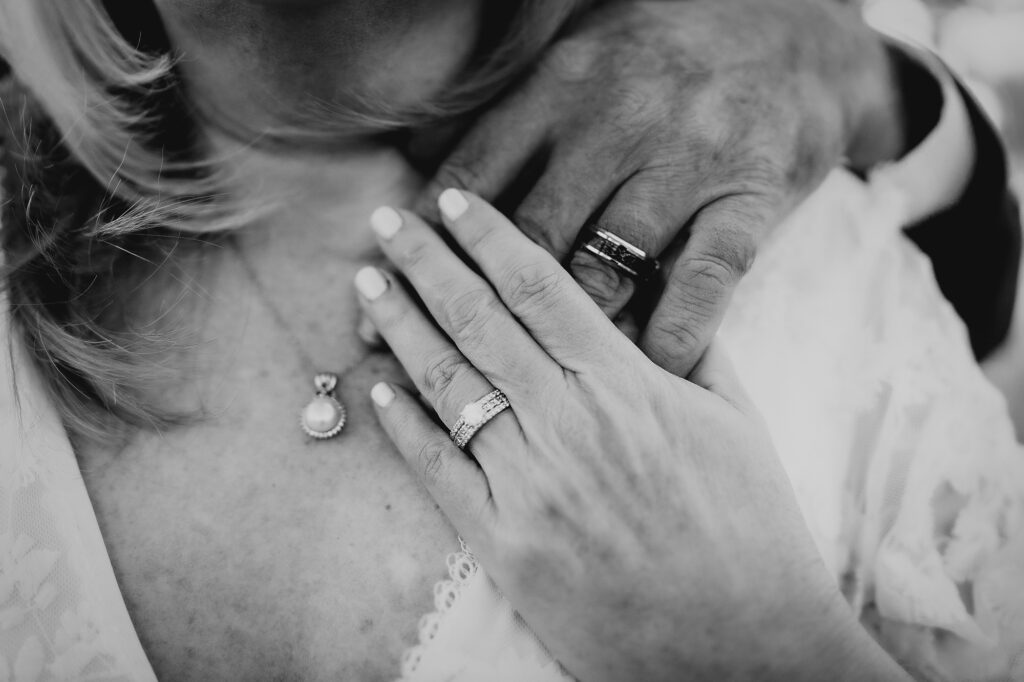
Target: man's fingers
579	177
720	251
491	155
458	485
648	213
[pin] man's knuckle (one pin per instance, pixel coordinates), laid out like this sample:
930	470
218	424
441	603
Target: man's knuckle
637	101
600	280
680	331
696	296
752	174
461	173
717	271
572	59
736	249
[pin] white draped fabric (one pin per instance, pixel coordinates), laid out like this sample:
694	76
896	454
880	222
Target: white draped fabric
902	456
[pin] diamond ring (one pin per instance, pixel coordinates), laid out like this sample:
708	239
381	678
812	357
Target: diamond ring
475	415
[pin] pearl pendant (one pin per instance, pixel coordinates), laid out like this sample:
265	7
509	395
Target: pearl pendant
324	416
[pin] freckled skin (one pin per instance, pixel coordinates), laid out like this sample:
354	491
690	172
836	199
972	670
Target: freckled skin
244	550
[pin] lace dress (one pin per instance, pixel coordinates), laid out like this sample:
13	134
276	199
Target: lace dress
902	456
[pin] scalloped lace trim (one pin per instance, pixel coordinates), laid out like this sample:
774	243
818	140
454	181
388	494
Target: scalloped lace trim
462	567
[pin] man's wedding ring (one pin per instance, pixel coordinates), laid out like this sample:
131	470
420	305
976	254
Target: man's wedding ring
475	415
620	254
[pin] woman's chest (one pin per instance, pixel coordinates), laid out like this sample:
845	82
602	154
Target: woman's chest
245	551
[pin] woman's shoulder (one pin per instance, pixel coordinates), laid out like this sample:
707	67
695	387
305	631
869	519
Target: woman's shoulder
67	614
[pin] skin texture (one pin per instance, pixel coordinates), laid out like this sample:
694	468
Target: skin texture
607	466
244	550
301	67
687	128
221	532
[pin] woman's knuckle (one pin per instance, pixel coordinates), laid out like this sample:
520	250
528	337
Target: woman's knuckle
431	458
470	315
441	371
529	286
415	256
716	271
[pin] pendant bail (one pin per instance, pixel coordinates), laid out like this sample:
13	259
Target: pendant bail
324	416
325	383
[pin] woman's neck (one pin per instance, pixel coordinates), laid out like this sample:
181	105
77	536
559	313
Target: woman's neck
302	67
317	204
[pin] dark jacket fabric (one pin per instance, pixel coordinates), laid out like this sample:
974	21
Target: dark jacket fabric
975	245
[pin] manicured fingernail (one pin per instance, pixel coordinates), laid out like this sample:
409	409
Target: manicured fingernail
452	203
371	283
382	394
386	222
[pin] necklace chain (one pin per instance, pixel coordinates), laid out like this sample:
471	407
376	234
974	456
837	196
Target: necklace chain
309	365
324	417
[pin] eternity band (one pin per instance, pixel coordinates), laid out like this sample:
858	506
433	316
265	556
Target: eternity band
475	415
621	255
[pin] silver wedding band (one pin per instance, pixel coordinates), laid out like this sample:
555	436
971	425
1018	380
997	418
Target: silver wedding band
475	415
620	254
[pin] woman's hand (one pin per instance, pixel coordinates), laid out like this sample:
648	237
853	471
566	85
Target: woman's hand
669	123
640	523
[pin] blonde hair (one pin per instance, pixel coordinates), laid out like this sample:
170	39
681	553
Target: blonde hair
103	155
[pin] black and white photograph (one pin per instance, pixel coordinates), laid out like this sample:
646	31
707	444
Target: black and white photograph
511	341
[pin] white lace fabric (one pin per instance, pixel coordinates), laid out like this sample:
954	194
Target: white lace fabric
902	457
62	616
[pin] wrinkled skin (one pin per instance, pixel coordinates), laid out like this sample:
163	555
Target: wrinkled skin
641	524
687	128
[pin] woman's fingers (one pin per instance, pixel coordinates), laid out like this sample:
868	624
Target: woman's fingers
441	373
464	306
366	331
532	284
451	477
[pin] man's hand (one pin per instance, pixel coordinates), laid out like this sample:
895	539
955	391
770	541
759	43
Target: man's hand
688	129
